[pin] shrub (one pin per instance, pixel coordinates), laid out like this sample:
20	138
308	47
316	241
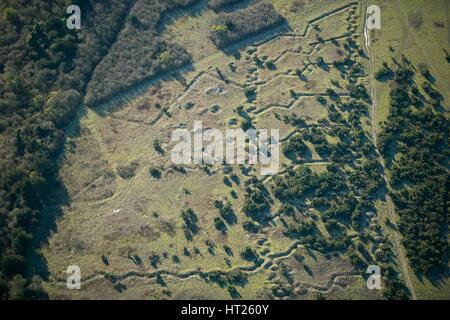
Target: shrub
155	173
127	171
139	52
217	4
230	27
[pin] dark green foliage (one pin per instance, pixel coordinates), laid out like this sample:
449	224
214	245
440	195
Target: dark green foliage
295	146
341	208
127	171
155	259
220	225
302	182
356	260
294	119
217	4
359	92
416	133
251	226
236	277
433	93
394	288
249	254
226	211
44	71
366	178
286	210
301	229
318	138
236	25
190	222
35	106
155	172
256	205
139	52
334	115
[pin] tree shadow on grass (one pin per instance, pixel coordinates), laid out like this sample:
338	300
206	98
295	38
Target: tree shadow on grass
235	48
48	217
437	276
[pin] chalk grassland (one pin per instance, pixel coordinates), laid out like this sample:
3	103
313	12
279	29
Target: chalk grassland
298	13
419	30
323	273
121	214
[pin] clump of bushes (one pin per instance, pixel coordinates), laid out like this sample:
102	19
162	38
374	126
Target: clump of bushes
127	171
139	52
384	73
230	27
217	4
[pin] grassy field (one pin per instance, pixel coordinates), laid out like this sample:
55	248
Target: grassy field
420	31
121	215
